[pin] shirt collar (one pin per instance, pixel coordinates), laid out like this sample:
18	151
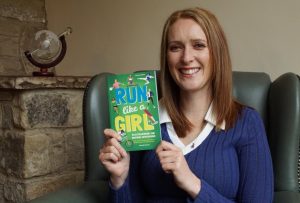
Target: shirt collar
209	116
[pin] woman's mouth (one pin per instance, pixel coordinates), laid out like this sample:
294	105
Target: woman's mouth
189	71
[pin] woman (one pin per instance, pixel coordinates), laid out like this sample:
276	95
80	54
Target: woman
214	149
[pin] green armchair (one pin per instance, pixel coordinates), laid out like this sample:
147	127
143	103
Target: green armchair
278	102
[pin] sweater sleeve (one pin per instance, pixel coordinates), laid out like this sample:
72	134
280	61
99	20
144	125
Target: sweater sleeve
209	194
256	170
255	167
131	191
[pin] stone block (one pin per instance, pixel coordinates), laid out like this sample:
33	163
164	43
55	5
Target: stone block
45	152
57	82
12	153
11	66
2	196
9	46
1	118
57	150
16	38
75	105
37	154
75	148
6	116
6	96
14	191
2	158
45	109
10	27
16	111
42	185
50	108
2	181
28	10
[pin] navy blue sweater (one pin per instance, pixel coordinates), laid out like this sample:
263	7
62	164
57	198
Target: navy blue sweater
234	166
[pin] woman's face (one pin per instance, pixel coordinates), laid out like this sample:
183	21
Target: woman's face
188	56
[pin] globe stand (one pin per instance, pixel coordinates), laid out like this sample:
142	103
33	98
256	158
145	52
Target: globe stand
43	72
44	66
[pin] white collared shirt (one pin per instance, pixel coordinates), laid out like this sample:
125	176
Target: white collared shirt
209	126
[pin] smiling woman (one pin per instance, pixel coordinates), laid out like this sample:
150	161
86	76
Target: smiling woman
213	148
203	44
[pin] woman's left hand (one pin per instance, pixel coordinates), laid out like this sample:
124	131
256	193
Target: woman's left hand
173	161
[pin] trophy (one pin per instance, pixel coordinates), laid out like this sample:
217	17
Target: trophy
50	49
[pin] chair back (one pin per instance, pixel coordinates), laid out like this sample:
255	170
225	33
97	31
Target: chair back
95	120
284	131
251	89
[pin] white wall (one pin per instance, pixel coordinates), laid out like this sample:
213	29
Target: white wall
124	35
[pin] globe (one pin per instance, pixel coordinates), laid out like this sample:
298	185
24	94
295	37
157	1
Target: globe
49	51
48	46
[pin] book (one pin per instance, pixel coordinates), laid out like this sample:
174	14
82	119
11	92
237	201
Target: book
133	109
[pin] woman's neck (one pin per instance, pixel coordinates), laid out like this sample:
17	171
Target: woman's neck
195	105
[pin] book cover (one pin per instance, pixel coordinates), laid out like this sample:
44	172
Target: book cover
133	109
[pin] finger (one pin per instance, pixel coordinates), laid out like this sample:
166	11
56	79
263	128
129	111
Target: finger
168	160
163	152
168	167
161	146
117	145
110	133
108	157
164	145
167	145
166	153
169	156
113	144
112	149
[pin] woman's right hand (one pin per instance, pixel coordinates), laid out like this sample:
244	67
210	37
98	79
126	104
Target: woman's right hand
114	158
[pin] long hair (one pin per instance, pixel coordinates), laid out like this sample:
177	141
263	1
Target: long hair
224	107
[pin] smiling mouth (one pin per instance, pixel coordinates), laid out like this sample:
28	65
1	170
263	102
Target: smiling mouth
189	71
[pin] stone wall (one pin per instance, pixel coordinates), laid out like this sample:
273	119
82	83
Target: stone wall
19	21
41	135
41	138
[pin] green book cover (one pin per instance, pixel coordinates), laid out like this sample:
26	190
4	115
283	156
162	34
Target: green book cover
133	109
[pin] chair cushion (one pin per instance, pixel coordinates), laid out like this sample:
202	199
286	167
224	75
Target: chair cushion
88	192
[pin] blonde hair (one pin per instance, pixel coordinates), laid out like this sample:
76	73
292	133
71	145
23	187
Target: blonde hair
224	107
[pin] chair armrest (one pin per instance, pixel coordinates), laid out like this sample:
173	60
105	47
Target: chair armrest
287	196
88	192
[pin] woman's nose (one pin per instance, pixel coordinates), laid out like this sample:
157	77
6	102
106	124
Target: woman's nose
188	56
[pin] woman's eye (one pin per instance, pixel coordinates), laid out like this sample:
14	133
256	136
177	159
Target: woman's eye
199	46
174	48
